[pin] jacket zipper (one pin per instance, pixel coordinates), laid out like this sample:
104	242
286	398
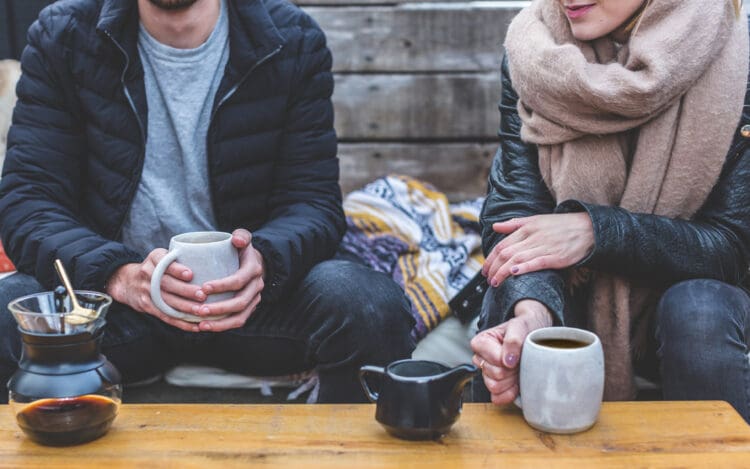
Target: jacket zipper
228	95
142	154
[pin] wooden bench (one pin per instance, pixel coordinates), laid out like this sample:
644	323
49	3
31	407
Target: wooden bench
416	87
416	91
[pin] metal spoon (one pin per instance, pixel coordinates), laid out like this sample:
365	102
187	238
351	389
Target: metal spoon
79	314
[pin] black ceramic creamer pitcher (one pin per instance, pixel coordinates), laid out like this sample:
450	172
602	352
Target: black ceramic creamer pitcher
416	399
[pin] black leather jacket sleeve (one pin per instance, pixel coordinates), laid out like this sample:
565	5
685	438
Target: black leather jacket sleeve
516	189
661	251
650	249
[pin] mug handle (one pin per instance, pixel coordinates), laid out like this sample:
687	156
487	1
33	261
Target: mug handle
156	277
363	371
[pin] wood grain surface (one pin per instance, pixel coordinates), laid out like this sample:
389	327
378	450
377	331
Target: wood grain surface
415	38
416	88
630	434
459	170
342	3
417	107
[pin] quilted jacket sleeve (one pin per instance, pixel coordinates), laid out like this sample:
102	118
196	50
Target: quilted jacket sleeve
516	189
40	191
307	218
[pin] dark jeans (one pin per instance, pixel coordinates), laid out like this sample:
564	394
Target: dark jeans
341	316
701	338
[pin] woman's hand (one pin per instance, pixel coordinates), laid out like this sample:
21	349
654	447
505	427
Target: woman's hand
497	350
247	282
553	241
131	285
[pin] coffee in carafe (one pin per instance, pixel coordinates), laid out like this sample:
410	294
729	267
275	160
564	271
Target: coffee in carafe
65	391
67	420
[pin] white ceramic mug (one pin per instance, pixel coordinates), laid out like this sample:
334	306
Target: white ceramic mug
562	379
210	255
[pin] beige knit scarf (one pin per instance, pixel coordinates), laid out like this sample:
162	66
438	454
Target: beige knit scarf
645	126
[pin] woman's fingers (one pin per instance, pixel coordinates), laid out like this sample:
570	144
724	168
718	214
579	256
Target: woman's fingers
536	264
551	241
488	345
496	252
515	335
511	225
499	386
509	267
500	268
505	397
496	373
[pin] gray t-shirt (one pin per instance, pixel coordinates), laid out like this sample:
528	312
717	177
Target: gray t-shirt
174	195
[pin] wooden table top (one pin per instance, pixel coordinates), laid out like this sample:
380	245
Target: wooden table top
627	434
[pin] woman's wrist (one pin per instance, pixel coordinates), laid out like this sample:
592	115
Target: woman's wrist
535	314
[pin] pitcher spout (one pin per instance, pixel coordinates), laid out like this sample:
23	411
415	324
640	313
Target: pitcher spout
456	378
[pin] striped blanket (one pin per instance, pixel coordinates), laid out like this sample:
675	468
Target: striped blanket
407	229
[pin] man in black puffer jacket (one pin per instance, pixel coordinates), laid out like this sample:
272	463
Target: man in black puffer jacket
139	120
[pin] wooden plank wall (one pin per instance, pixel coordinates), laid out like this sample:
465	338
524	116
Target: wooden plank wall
417	86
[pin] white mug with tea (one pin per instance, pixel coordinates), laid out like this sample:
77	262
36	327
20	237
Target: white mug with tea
561	379
210	255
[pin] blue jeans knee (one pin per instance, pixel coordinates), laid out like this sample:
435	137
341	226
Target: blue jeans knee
702	332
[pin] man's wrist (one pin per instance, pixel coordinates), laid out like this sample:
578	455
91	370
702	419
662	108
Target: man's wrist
112	284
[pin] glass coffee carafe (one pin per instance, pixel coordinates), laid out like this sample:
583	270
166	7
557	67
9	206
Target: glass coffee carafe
65	391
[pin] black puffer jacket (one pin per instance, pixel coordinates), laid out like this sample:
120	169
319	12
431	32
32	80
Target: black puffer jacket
649	249
76	147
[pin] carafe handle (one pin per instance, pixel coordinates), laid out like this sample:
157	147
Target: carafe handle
363	372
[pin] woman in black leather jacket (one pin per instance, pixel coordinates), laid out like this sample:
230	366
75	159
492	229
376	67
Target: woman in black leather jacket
619	199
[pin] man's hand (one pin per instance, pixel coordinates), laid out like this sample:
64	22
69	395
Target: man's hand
131	285
247	282
497	351
553	241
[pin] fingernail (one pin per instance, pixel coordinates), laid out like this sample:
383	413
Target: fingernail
208	289
186	274
194	309
206	326
205	310
514	269
494	282
511	359
200	295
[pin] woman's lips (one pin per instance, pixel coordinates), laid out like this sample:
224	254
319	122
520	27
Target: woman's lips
577	11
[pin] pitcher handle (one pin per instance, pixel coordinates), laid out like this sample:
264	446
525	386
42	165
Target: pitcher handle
363	371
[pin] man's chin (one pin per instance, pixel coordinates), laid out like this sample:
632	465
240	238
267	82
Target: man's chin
172	4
